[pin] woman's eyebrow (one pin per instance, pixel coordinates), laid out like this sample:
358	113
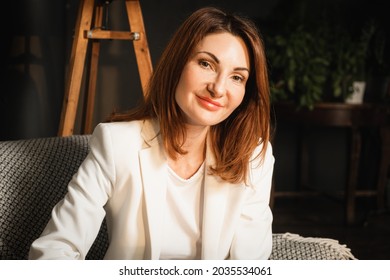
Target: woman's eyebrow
217	61
211	55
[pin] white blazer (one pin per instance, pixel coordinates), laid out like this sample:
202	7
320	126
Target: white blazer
123	178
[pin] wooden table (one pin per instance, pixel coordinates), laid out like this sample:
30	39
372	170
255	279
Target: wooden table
352	117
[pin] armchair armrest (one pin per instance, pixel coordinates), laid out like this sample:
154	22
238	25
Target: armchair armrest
289	246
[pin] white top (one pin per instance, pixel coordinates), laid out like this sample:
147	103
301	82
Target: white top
181	232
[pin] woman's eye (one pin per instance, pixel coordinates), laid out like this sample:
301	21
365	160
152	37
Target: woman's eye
238	78
204	64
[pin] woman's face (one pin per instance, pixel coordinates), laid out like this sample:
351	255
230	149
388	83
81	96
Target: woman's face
213	80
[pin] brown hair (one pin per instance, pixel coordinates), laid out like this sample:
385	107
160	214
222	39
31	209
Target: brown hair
237	136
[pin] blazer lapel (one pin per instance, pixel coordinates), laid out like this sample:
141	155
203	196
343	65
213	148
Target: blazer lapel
153	169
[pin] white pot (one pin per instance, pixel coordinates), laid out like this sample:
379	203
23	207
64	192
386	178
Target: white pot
358	93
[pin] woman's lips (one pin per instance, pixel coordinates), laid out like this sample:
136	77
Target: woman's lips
209	104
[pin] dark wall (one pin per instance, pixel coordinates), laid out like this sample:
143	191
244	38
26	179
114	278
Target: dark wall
32	67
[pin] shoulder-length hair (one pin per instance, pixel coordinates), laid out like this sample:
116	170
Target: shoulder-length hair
235	139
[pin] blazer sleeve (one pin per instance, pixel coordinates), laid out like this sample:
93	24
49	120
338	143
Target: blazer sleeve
253	236
76	219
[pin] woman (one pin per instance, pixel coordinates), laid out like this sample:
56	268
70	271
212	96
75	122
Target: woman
187	175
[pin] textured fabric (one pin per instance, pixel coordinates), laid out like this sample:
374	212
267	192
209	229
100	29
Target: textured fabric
288	246
34	175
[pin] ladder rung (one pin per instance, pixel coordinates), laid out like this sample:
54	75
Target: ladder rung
116	35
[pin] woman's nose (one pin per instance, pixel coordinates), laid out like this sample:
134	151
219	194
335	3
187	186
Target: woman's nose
217	87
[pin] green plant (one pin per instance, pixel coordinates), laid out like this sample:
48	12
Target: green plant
320	64
299	65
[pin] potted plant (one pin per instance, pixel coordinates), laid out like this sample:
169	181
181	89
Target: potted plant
322	62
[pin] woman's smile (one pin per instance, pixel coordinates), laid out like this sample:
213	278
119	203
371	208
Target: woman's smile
208	103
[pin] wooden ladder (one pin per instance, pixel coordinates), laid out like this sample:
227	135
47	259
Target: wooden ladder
93	10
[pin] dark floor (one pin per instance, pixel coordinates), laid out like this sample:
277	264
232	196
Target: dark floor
323	216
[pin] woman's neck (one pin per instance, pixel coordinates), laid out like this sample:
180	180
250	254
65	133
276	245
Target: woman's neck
187	164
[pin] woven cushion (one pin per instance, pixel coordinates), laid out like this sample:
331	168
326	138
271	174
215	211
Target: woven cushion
288	246
34	175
